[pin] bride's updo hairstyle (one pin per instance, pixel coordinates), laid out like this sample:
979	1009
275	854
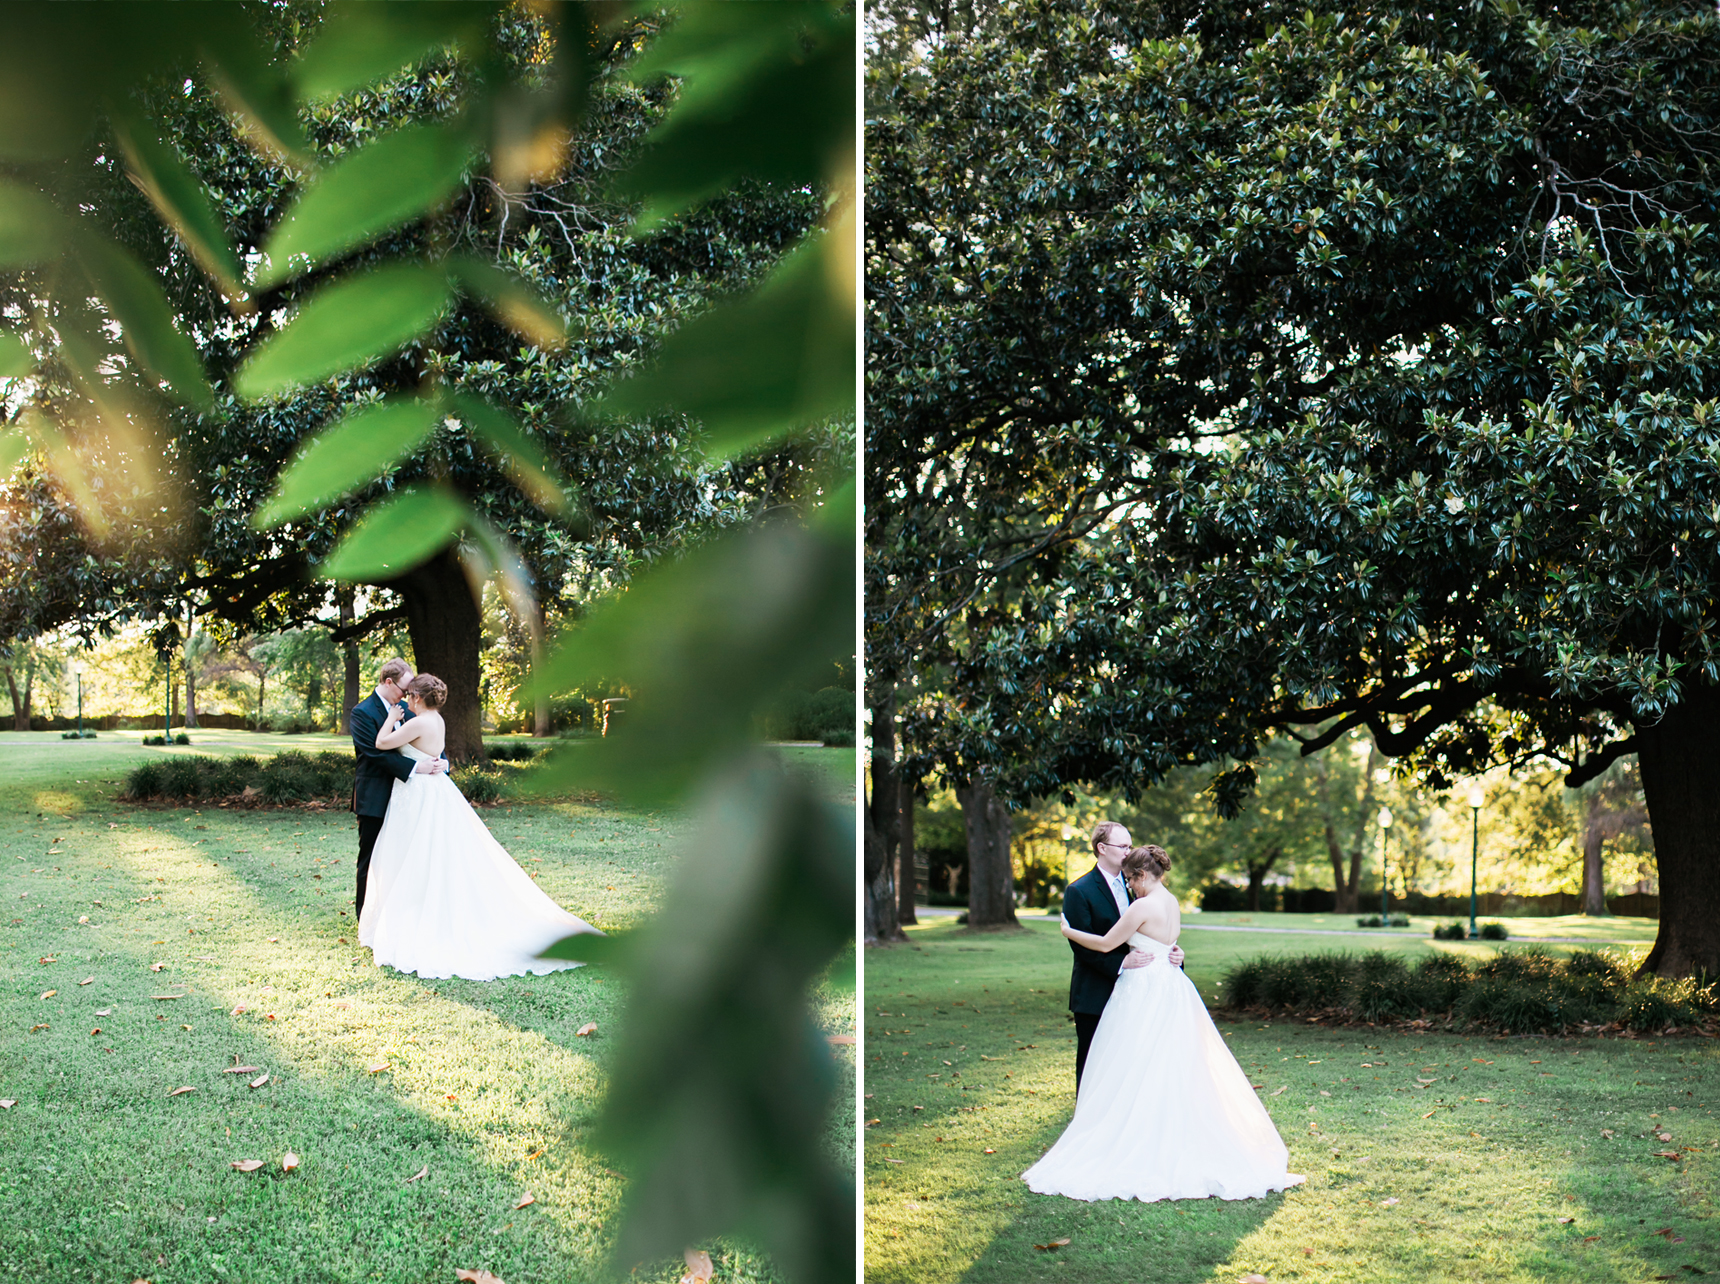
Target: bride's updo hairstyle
430	689
1146	860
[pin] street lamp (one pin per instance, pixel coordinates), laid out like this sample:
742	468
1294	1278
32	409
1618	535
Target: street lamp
78	672
1475	801
1385	834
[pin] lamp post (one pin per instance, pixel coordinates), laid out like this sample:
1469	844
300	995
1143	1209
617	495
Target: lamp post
78	672
1385	835
1475	801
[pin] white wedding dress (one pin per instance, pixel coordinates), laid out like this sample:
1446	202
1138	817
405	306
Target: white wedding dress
443	897
1164	1111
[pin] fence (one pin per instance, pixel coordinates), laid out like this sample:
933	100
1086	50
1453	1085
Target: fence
1320	900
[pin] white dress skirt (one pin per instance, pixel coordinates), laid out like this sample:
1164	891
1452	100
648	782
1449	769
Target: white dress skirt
1164	1111
445	899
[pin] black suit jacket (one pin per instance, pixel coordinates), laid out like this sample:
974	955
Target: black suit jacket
1090	907
378	769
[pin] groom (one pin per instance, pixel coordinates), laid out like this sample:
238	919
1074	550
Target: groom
378	769
1094	903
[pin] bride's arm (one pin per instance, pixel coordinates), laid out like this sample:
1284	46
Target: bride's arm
396	732
1125	927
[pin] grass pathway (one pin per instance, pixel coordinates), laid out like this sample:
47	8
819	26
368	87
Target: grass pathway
244	919
1429	1157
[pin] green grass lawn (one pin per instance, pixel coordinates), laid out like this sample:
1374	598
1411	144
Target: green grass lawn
151	949
969	1049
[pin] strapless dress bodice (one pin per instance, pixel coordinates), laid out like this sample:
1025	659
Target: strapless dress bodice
1160	950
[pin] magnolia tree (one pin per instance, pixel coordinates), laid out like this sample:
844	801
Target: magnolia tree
385	222
1302	370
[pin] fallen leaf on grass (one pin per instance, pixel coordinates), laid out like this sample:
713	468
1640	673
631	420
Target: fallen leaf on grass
6	1103
42	1026
1387	1203
1589	1239
534	1155
1276	1091
1564	1221
1607	1133
990	1151
590	1027
1666	1154
88	980
379	1067
260	1080
177	1091
1488	1100
1056	1243
48	994
274	940
239	1011
1429	1114
527	1198
156	967
846	1040
96	1031
699	1268
1663	1136
417	1176
247	1165
241	1069
104	1011
289	1161
166	997
476	1277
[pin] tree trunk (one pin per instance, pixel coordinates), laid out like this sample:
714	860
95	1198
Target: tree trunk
883	826
1594	871
446	628
1257	871
991	884
20	707
349	663
1679	758
540	701
906	880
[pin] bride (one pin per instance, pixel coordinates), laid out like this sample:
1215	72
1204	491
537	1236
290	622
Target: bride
444	899
1163	1111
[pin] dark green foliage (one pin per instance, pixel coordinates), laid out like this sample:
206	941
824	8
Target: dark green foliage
1517	991
1493	932
511	751
811	715
1370	920
143	781
1443	977
1450	932
1382	987
839	738
1397	920
478	784
88	735
291	777
182	739
1219	897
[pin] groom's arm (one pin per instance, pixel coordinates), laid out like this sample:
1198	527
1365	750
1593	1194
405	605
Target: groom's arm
364	729
1079	911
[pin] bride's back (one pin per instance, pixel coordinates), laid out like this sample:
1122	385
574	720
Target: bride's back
432	735
1164	916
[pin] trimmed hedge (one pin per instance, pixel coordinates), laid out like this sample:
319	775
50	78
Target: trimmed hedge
289	777
1526	991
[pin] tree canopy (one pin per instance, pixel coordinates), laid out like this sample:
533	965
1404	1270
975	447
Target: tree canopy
1292	370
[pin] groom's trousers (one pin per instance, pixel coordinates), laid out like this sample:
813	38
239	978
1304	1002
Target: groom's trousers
368	828
1085	1024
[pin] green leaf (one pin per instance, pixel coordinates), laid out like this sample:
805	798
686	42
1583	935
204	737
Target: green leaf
344	325
30	226
359	43
367	192
251	85
703	643
15	358
514	301
767	93
181	201
755	368
524	459
135	299
399	533
588	947
750	922
14	445
337	460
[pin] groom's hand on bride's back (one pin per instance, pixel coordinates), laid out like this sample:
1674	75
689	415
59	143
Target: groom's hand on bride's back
430	766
